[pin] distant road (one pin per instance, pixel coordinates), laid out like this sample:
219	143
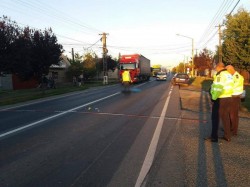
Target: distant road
98	137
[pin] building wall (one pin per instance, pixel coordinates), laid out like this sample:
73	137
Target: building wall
6	82
59	75
20	84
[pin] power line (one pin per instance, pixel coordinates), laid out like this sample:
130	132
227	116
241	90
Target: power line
27	8
234	7
215	21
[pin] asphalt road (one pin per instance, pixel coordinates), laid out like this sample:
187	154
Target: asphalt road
98	137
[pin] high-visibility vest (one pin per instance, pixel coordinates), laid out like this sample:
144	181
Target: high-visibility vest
222	86
126	76
238	84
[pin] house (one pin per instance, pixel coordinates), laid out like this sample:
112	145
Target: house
13	82
58	72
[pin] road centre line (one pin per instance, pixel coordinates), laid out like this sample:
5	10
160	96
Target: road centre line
51	117
54	116
153	144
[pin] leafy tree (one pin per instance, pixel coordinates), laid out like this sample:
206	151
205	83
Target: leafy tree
45	51
27	52
180	68
21	60
89	65
203	61
236	36
9	31
76	67
111	63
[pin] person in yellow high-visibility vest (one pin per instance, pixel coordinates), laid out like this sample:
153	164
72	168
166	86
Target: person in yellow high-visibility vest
238	88
126	80
221	94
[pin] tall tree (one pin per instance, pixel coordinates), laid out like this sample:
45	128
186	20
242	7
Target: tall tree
76	67
45	51
89	65
21	60
203	61
27	52
9	32
111	63
236	36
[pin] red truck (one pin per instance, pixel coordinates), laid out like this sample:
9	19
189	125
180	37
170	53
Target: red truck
138	66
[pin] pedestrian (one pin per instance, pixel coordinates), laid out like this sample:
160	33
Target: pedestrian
221	93
79	81
238	88
74	80
126	80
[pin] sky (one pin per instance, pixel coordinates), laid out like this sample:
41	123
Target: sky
147	27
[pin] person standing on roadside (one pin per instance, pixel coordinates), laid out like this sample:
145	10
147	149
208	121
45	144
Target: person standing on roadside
237	92
221	93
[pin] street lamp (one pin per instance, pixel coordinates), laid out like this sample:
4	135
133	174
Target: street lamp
192	71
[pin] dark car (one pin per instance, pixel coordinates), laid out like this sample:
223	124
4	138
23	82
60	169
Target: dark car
180	78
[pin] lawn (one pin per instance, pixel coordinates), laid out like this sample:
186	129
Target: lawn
8	97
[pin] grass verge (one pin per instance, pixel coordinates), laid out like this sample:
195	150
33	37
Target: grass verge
8	97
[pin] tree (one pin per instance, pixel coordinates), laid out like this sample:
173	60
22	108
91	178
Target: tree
45	51
111	63
180	68
27	52
236	36
76	67
203	61
9	31
21	55
89	65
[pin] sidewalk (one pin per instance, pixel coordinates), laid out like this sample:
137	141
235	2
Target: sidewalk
218	164
197	163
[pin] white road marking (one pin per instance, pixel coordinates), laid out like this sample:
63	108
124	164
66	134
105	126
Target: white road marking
153	144
54	116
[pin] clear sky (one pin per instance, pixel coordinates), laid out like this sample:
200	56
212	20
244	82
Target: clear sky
148	27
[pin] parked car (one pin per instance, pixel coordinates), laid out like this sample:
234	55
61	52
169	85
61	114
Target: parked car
180	78
161	76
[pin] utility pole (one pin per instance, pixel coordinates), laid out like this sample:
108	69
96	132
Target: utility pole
73	55
220	47
192	70
105	51
184	64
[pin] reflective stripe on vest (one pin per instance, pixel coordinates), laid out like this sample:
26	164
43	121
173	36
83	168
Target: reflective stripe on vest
238	84
223	85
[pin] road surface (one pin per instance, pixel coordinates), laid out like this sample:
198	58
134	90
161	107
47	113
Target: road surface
98	137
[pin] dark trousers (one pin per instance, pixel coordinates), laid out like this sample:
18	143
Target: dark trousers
126	85
225	105
215	119
234	114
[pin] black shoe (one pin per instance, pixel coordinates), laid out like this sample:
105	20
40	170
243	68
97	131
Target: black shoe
211	139
226	139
